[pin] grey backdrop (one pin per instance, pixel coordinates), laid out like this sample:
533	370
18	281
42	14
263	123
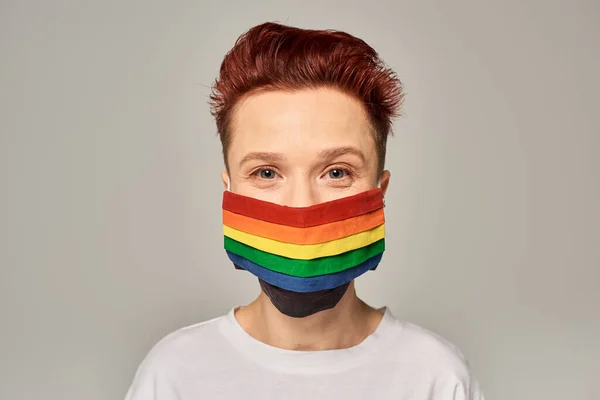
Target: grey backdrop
110	190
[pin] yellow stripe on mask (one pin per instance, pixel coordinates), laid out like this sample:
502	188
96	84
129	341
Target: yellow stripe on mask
310	251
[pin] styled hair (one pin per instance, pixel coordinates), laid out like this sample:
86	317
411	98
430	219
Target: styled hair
272	56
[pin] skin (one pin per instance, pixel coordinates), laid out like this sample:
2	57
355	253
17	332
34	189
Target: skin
298	149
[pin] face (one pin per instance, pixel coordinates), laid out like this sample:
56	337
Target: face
302	148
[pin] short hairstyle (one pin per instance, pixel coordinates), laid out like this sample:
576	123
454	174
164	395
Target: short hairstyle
272	56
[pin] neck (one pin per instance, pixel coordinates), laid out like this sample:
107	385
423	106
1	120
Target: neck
344	326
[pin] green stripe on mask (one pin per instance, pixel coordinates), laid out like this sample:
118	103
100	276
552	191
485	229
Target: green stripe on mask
305	268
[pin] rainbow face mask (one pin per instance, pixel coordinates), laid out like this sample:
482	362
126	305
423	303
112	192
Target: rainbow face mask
306	249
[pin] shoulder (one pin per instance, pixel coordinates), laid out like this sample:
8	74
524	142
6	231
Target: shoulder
187	349
196	338
429	348
432	357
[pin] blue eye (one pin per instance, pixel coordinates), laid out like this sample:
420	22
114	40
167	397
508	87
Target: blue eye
266	173
337	173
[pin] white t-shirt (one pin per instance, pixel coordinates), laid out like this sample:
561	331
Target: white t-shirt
218	359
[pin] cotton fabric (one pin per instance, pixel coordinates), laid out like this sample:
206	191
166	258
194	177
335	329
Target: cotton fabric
218	360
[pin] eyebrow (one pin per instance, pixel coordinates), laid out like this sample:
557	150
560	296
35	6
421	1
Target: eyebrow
262	156
327	154
330	154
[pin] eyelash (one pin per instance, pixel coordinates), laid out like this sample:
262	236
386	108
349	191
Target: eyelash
257	171
348	172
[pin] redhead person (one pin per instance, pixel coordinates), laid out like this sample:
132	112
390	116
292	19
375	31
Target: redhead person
303	117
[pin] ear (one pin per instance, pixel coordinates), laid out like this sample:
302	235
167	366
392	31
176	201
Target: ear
225	179
385	181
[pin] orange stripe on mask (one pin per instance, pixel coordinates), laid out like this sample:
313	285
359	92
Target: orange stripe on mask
310	235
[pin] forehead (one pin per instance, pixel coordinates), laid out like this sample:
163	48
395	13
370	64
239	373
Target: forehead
300	122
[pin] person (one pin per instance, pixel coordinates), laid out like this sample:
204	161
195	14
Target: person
303	117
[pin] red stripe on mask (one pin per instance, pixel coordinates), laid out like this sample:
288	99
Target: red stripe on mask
301	217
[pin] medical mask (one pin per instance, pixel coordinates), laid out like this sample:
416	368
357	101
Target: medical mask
305	257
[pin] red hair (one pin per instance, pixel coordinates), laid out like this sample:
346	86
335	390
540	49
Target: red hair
272	56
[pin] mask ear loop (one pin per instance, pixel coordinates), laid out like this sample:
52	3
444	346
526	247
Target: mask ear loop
379	186
228	184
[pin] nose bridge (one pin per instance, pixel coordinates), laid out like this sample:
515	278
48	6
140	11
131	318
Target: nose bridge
300	192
